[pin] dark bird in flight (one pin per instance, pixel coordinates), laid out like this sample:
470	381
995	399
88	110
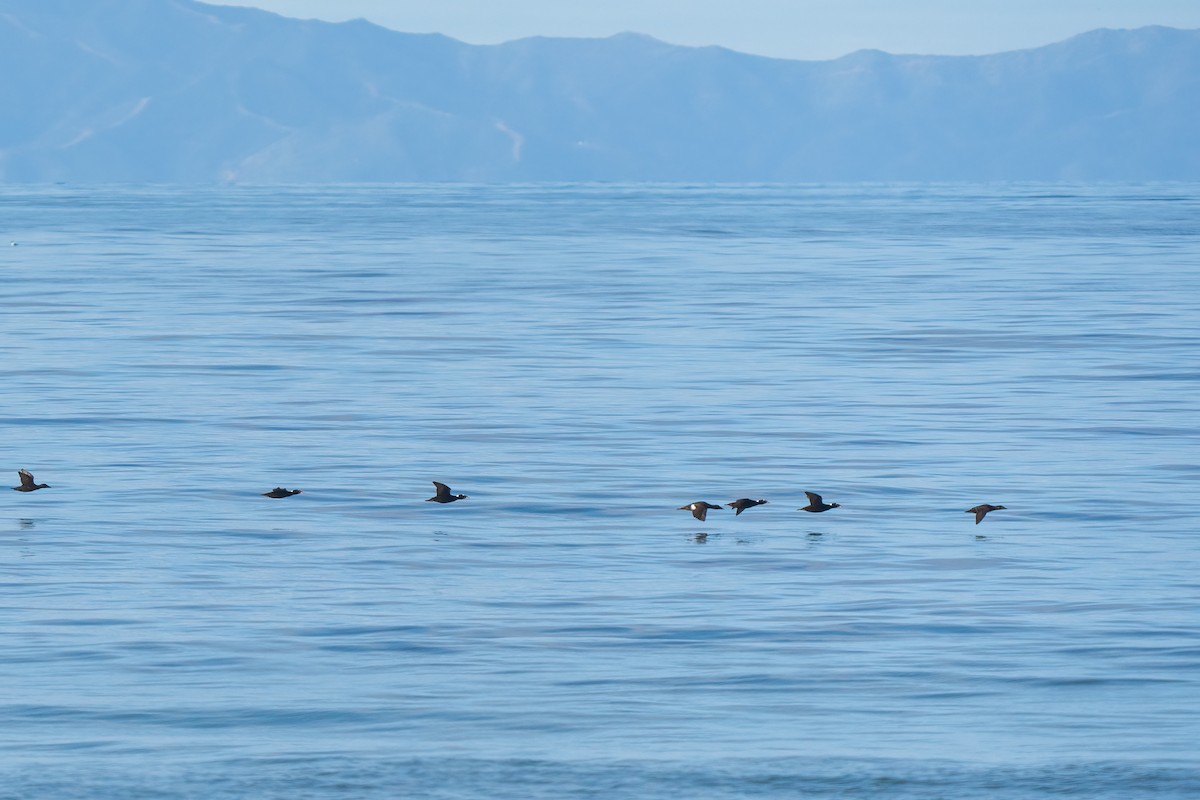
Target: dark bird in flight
699	509
817	505
739	506
444	495
27	484
279	491
982	511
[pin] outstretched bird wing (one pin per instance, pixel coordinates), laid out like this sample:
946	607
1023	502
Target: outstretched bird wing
814	499
26	478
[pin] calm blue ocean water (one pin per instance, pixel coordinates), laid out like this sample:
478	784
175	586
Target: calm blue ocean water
582	360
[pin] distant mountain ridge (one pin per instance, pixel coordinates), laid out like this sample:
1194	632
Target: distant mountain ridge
181	91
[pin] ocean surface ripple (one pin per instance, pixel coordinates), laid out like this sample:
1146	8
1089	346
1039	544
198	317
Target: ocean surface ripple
582	360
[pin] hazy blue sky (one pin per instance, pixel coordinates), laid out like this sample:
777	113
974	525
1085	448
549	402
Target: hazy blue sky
786	28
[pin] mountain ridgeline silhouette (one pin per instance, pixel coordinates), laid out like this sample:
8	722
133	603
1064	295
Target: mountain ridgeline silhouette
180	91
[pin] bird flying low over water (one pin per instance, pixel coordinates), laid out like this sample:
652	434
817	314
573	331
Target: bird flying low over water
27	484
982	511
444	495
699	509
816	504
279	491
741	505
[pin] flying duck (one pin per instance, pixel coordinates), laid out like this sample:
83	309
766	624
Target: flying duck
982	511
279	491
816	504
699	509
27	484
739	506
444	495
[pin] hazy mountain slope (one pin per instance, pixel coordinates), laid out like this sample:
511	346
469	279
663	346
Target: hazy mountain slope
175	90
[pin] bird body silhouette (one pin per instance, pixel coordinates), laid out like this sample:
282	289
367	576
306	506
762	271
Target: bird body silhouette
444	494
27	484
279	491
816	504
699	509
982	511
741	505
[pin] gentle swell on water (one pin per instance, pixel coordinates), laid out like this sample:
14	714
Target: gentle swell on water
582	360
